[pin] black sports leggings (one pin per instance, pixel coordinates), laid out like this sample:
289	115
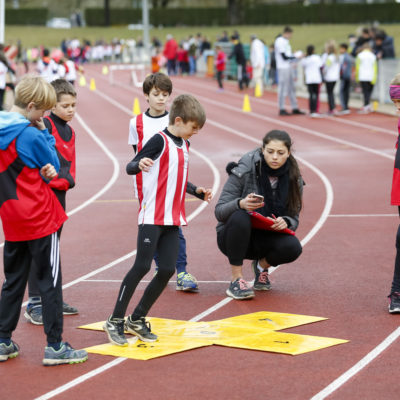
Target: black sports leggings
367	88
331	97
164	239
238	241
313	91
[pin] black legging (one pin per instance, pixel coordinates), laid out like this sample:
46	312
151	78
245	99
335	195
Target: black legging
331	97
164	239
367	88
313	89
238	241
396	274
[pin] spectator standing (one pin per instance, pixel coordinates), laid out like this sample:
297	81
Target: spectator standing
346	67
331	70
170	53
238	54
220	66
257	60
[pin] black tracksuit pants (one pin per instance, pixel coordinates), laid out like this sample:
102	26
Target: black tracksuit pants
18	257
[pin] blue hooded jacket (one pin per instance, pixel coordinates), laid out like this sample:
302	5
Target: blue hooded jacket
35	148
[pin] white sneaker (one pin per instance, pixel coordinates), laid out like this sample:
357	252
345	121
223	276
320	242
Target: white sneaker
315	115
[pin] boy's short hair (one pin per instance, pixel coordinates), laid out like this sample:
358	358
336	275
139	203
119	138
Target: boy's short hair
34	89
287	29
188	108
62	86
159	81
344	46
395	80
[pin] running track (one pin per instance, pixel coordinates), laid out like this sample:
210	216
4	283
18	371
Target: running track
347	228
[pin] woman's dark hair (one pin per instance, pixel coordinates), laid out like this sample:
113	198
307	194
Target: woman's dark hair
310	50
295	202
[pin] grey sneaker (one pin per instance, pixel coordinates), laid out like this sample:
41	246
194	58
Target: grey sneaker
240	290
141	328
8	351
261	280
394	302
33	314
66	355
69	310
115	331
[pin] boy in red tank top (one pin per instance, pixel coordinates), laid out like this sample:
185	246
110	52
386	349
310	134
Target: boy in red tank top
57	125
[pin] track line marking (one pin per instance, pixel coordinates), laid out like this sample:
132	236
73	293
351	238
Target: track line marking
337	383
361	215
142	281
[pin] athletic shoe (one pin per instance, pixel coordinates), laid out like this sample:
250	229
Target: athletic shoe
344	112
115	331
186	282
33	314
8	351
394	302
283	112
316	115
141	328
261	281
240	290
65	355
69	310
296	111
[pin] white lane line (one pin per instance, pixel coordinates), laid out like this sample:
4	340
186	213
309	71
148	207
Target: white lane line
361	215
108	184
142	281
337	383
342	120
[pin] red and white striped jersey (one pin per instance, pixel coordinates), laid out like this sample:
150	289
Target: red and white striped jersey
141	129
162	189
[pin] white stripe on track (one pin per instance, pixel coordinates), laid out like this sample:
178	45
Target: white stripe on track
222	303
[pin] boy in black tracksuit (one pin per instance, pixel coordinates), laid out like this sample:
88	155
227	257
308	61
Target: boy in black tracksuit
57	125
240	59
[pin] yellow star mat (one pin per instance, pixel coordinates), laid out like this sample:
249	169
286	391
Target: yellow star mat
256	331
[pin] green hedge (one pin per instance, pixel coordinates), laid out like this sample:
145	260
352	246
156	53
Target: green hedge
271	14
26	16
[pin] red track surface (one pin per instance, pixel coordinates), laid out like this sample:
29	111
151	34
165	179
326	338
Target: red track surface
344	273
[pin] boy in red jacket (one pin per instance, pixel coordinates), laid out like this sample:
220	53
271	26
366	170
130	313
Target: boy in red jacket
220	63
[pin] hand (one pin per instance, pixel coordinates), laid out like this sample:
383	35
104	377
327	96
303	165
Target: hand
145	164
48	172
208	194
279	223
251	203
39	124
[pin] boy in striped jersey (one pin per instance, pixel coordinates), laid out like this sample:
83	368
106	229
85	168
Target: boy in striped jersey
157	89
163	165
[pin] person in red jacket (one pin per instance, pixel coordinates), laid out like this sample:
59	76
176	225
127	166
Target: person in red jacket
394	296
31	215
57	125
220	62
170	52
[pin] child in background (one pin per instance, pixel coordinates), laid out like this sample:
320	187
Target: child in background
57	125
220	62
331	72
312	65
157	88
366	74
346	67
163	165
394	296
31	220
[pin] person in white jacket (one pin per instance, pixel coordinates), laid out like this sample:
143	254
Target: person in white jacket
257	60
366	73
331	70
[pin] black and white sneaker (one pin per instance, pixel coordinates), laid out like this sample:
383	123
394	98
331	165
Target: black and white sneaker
141	328
261	280
115	331
394	302
69	310
240	290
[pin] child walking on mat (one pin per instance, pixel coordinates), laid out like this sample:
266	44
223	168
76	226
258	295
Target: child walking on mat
157	89
163	166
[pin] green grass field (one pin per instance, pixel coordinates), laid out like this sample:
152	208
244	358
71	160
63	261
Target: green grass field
302	36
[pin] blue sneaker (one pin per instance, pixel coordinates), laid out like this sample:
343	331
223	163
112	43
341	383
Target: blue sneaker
8	351
33	314
66	355
187	282
261	280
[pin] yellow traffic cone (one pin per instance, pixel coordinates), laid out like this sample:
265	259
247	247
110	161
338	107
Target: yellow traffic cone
82	80
92	84
257	91
136	107
105	70
246	104
375	105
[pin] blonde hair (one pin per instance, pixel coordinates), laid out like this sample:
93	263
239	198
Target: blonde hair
395	80
34	89
188	108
